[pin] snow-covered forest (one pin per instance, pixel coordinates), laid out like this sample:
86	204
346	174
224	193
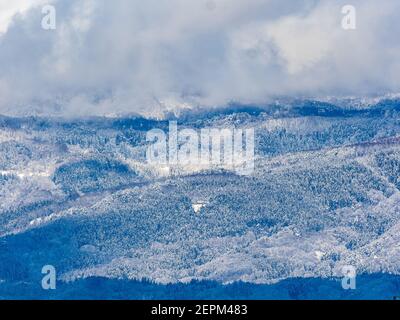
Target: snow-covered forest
79	195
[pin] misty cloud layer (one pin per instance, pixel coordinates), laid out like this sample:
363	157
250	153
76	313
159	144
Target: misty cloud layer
109	57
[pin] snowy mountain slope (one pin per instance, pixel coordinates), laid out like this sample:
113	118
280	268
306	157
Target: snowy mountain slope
78	194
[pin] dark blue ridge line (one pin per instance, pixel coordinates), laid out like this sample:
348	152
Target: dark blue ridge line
369	286
299	108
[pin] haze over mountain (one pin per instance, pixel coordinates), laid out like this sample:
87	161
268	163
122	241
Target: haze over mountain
124	56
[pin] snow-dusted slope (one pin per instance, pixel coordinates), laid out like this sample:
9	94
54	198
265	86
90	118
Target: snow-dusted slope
79	195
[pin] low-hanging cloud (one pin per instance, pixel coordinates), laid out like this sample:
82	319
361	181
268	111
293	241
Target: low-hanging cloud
148	56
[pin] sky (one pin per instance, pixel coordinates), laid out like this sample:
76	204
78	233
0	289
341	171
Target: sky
134	56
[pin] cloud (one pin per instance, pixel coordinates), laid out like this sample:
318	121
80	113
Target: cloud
8	10
147	56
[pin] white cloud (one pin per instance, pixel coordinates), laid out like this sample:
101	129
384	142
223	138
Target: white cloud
302	42
8	10
133	55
